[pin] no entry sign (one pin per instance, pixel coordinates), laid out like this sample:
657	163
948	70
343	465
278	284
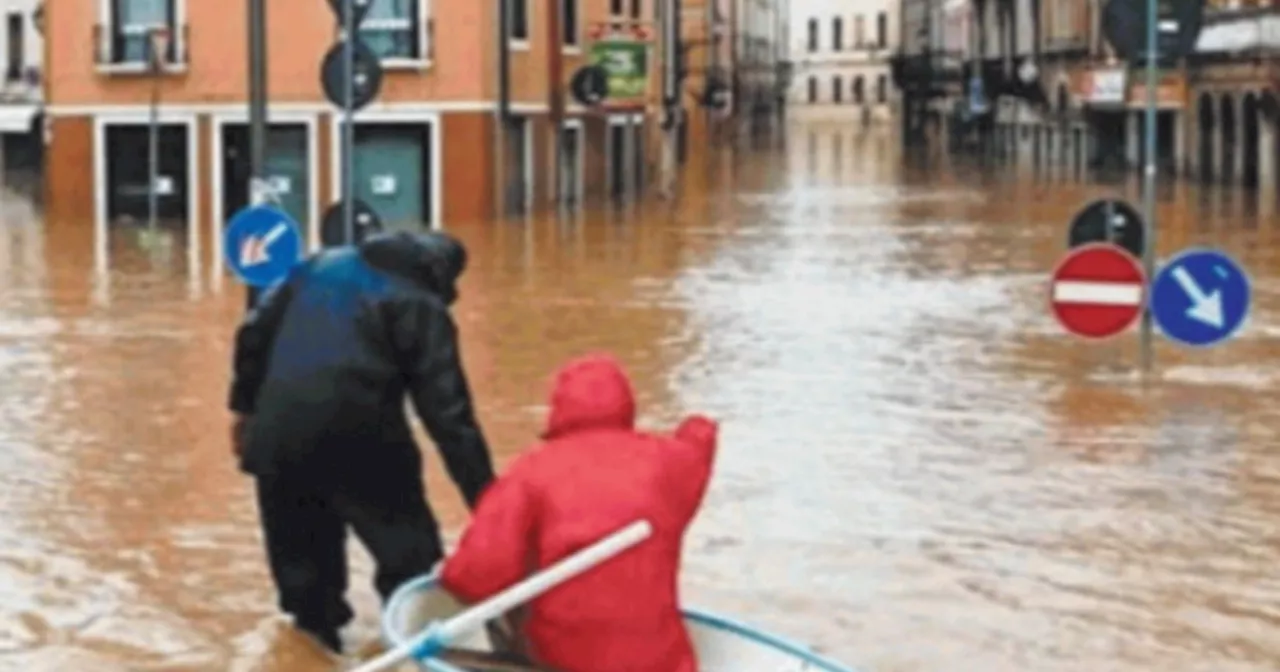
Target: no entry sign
1098	291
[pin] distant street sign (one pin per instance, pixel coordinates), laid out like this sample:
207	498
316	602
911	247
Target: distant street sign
1200	298
1097	291
590	85
361	8
367	79
1124	23
261	245
333	229
1109	221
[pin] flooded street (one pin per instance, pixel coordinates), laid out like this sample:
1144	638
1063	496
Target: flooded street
919	470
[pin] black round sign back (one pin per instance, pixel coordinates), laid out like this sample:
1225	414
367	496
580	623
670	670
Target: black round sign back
361	8
1109	221
333	229
1124	23
590	85
367	71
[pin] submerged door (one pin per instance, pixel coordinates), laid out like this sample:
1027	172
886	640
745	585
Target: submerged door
128	171
392	174
571	168
519	181
637	156
617	160
288	169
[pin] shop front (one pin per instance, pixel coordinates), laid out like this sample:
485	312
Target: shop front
1170	101
1102	92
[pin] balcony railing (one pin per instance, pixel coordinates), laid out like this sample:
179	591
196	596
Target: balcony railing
126	51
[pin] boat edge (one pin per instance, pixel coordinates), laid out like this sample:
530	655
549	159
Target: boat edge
697	615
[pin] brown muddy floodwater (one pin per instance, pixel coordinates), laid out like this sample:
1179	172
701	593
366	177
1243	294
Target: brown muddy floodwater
919	471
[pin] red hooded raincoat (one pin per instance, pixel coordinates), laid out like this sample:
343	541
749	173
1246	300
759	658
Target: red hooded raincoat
593	475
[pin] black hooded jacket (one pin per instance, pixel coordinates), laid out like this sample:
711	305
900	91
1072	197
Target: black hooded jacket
324	362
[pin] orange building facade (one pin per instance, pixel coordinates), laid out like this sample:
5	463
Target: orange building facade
427	150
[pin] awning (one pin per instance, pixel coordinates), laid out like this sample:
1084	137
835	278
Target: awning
17	118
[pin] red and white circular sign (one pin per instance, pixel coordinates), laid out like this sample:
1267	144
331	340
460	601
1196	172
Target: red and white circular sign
1098	290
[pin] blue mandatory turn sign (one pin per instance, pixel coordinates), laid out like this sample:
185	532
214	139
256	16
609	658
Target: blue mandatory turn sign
1200	298
262	244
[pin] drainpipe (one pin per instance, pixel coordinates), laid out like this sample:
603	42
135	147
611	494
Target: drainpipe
502	116
555	90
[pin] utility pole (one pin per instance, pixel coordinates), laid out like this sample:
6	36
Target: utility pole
555	91
502	116
1149	174
671	99
349	25
257	15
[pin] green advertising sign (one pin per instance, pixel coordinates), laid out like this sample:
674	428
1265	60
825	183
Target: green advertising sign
627	62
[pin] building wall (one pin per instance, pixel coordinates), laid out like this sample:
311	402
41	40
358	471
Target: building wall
32	52
862	55
299	34
453	87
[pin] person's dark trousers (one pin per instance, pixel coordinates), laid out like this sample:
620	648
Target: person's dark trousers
304	519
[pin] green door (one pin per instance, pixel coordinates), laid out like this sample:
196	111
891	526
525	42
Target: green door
287	163
391	176
287	170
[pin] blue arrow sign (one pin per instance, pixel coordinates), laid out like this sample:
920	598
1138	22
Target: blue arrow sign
1200	298
262	244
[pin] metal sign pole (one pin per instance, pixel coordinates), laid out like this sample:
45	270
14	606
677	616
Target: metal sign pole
348	126
670	94
1149	175
257	111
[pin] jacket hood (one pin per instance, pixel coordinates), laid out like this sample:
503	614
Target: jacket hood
590	393
433	260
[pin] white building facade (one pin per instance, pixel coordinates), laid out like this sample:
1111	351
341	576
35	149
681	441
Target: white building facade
22	81
841	51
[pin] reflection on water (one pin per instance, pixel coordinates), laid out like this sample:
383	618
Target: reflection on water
919	471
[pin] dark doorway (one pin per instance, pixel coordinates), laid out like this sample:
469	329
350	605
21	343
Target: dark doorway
127	152
1166	139
1108	139
1228	122
1207	127
617	161
1250	142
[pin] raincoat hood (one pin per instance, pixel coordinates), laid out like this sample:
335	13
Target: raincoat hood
433	260
590	393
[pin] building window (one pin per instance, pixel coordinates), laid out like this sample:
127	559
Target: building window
882	89
813	35
813	89
393	29
569	22
837	34
859	90
637	7
131	24
615	7
859	36
17	50
882	30
837	90
518	21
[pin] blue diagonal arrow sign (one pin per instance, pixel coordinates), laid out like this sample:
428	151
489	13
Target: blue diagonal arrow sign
1200	298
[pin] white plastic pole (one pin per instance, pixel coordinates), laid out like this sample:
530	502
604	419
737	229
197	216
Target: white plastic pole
439	635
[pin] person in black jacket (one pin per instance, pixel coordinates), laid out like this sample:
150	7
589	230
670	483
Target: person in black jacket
322	367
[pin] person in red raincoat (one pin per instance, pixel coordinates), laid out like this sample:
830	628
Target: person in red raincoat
593	474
